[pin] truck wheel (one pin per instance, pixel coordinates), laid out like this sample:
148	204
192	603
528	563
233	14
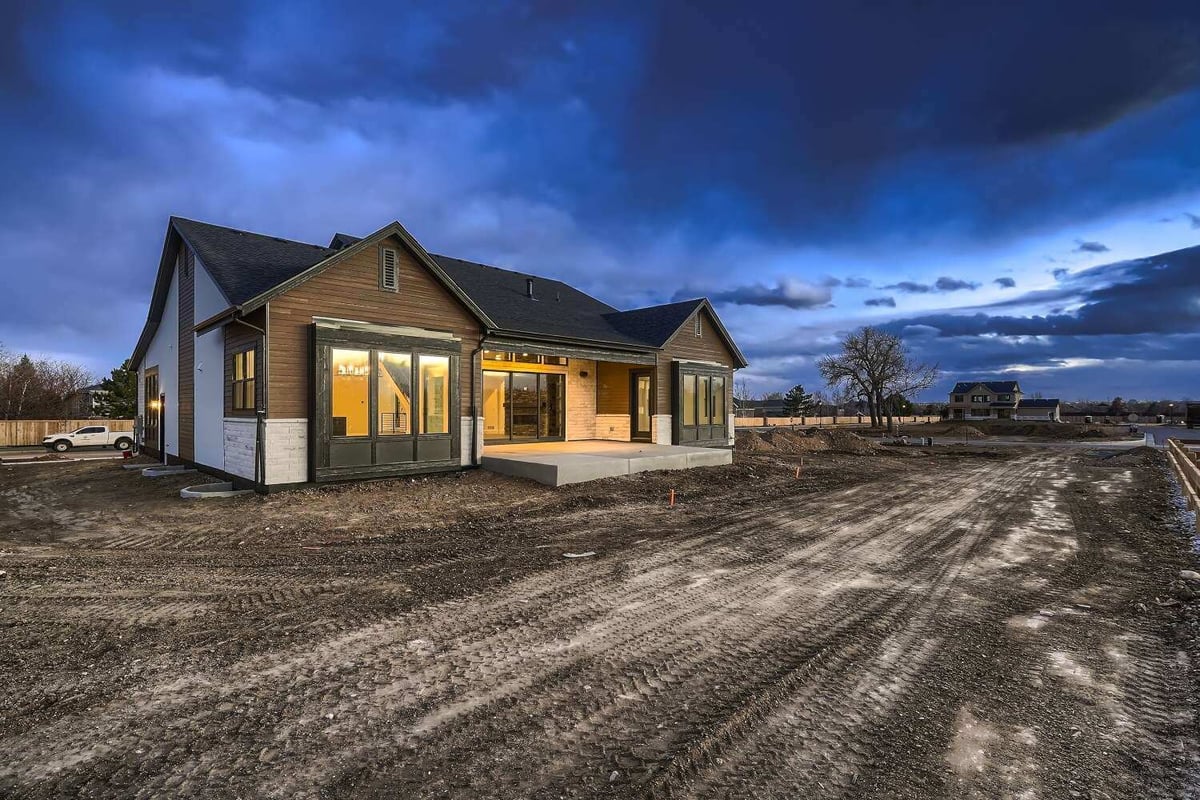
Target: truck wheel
123	444
62	446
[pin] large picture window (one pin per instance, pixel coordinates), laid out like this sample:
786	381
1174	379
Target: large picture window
243	389
395	407
435	394
700	404
385	404
350	384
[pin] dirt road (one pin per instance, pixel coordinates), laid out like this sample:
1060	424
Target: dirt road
955	626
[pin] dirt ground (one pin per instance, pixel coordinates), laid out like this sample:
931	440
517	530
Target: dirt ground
963	623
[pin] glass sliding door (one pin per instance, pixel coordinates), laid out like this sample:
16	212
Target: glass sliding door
495	406
524	406
551	406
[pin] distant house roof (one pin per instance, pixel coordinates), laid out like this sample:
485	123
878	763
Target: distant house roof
994	386
1049	402
247	266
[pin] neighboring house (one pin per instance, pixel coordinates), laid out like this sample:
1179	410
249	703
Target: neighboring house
274	363
984	400
87	402
1039	410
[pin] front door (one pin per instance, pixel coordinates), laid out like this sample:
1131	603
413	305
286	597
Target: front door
640	393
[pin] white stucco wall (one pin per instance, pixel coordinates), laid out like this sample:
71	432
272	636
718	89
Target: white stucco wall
209	300
464	448
660	429
209	400
163	352
209	392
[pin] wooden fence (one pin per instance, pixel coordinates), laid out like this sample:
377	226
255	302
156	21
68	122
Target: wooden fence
1185	463
22	432
823	422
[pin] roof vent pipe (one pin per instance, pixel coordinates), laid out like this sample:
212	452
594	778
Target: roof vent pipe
529	287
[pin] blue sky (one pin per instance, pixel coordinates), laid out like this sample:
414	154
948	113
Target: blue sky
990	180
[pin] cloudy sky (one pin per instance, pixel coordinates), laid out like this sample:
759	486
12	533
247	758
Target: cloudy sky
1005	184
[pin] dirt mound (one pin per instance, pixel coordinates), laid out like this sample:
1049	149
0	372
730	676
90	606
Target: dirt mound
752	442
1137	456
792	442
846	442
968	431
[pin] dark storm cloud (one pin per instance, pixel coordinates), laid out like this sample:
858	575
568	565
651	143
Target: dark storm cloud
1005	283
1193	218
887	302
954	285
1159	295
786	293
910	287
941	285
857	283
1060	273
943	116
1091	247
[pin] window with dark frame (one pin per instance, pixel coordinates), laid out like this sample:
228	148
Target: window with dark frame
243	381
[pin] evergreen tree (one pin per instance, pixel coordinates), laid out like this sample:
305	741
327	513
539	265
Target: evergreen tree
119	400
797	402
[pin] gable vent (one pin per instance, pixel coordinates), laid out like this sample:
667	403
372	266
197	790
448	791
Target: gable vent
389	277
699	328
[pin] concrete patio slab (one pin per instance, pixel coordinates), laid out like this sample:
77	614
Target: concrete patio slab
560	463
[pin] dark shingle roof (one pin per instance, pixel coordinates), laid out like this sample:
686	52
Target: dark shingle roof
1049	402
994	386
244	265
655	324
556	308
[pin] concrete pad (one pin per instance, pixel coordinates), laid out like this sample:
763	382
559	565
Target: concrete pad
560	463
210	491
158	472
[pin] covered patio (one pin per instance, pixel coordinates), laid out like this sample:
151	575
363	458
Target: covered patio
560	463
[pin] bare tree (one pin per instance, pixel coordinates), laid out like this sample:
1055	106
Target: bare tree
41	389
877	367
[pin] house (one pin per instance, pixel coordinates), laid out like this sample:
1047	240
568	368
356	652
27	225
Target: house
88	401
984	399
274	363
1038	410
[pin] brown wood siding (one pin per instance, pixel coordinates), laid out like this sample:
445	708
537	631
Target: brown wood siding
350	290
186	264
612	388
239	338
687	346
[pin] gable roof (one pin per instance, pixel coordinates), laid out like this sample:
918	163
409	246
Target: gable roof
251	268
556	308
994	386
655	324
244	265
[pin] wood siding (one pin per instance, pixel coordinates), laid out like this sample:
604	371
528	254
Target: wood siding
350	290
186	265
613	388
239	338
687	346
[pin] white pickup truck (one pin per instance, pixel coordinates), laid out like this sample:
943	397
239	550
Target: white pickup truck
89	436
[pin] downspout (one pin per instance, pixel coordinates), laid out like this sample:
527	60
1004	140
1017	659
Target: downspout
475	399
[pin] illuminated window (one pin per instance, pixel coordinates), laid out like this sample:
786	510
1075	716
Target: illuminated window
243	381
350	382
689	399
435	394
395	394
